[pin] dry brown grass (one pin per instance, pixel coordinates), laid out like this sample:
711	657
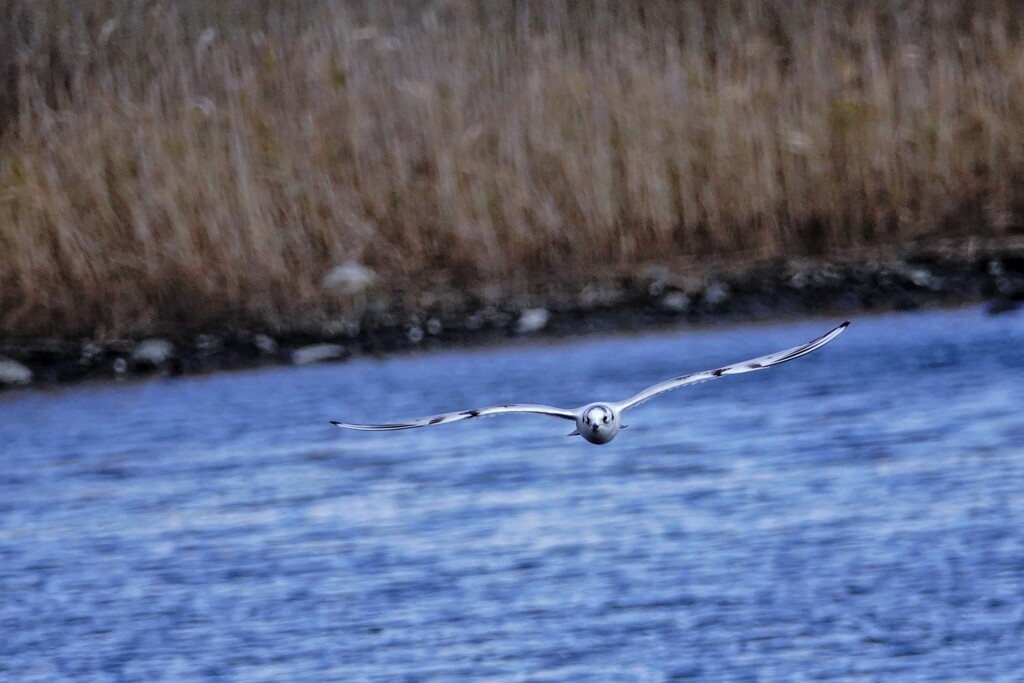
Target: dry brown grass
168	164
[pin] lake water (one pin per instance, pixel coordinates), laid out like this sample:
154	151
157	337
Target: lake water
857	514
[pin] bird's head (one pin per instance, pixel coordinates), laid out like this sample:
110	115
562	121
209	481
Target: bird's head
598	423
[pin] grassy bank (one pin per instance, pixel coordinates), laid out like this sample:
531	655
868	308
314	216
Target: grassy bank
190	164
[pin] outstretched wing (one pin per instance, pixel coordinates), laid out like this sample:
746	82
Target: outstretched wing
761	363
463	415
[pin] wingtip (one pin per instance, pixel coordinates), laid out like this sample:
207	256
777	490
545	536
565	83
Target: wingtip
336	423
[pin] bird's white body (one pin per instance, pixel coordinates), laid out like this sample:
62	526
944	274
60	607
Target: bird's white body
599	423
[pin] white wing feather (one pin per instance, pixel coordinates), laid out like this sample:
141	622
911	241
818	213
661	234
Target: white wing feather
444	418
761	363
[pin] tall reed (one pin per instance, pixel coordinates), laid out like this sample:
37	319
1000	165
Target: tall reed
188	164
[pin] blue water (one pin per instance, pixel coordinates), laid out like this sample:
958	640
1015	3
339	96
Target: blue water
857	514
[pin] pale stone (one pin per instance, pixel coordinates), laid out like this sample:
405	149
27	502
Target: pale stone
922	277
264	343
316	353
414	334
13	373
532	320
716	293
153	352
349	278
675	302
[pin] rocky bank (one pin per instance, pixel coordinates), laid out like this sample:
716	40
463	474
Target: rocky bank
656	296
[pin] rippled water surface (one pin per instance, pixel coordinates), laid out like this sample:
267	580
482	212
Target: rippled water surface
856	514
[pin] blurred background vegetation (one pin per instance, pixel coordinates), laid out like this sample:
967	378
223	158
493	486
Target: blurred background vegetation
192	163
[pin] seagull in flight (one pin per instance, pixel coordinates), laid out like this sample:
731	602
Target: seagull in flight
599	422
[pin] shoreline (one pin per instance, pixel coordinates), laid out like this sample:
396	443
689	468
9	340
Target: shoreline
203	186
655	299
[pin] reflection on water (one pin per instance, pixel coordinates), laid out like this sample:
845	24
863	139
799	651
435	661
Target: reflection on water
859	512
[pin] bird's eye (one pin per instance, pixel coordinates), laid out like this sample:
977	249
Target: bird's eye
606	418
